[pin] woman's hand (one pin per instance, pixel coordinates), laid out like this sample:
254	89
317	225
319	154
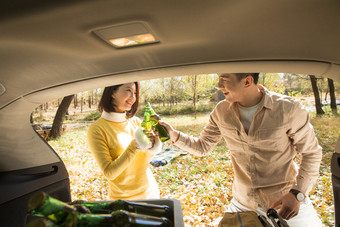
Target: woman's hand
152	135
156	146
174	134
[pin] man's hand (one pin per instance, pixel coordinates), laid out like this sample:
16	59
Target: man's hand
174	134
289	206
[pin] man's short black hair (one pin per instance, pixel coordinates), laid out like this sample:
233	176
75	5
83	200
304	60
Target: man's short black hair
255	76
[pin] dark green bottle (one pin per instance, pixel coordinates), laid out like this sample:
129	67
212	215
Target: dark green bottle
60	214
41	204
41	222
92	220
120	218
97	207
115	219
123	218
162	131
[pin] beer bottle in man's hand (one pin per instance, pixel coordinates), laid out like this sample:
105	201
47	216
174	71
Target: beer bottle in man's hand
161	129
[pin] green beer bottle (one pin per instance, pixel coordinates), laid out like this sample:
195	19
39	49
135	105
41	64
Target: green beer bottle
115	219
120	218
97	207
92	220
41	222
41	204
146	123
123	218
162	131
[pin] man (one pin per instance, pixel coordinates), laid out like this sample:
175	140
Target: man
263	131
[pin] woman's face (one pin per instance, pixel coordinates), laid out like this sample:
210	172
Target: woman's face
124	97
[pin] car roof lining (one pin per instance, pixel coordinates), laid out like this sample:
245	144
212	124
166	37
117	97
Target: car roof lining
46	45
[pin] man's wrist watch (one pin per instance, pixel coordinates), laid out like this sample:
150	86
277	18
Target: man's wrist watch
298	195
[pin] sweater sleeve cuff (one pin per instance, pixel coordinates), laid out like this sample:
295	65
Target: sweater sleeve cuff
142	141
180	140
303	185
157	147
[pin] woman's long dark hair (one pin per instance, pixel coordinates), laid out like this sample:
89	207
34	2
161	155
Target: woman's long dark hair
106	101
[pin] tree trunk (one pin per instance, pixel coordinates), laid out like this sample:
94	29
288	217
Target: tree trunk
59	117
92	98
81	104
195	93
263	78
171	94
75	101
95	97
332	95
318	106
163	100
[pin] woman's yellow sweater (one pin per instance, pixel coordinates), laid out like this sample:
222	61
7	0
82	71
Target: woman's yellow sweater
126	167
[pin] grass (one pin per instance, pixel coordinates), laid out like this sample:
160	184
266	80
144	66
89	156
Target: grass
327	131
202	184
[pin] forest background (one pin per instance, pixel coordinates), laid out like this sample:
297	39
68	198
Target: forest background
203	185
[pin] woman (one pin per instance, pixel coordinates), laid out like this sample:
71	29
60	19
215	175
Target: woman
119	148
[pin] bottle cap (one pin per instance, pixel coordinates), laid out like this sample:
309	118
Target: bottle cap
40	222
81	209
36	201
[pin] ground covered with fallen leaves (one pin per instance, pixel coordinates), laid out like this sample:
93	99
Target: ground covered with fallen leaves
202	184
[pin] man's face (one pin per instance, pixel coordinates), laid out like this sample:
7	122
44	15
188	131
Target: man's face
231	87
